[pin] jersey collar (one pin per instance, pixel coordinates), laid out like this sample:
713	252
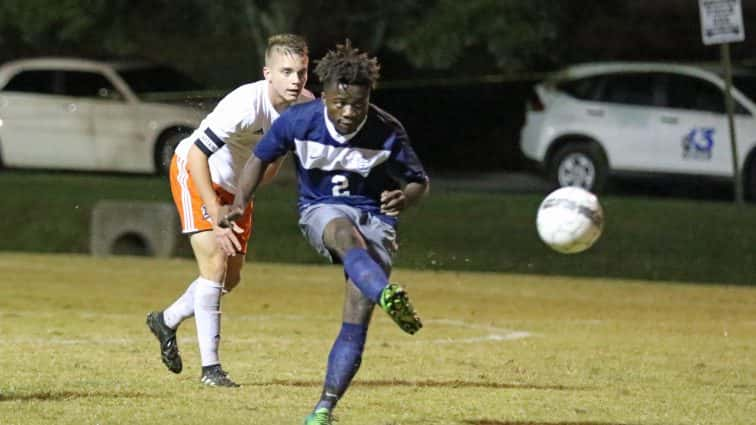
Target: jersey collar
341	138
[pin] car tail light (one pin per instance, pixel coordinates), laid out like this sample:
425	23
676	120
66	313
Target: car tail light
534	102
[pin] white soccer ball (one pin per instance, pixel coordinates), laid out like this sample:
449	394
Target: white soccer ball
570	220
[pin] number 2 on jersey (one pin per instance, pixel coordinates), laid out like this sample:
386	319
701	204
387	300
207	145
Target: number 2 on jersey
340	185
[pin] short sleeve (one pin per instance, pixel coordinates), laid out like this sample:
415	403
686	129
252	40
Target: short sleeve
239	110
278	140
405	164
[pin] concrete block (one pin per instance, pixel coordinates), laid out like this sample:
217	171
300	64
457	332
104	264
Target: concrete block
135	228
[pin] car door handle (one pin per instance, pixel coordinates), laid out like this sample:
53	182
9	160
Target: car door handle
669	120
72	107
595	112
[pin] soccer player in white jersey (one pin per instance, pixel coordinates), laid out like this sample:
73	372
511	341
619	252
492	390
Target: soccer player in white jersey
203	177
356	173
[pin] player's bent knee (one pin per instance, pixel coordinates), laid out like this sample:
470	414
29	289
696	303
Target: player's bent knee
233	272
231	283
212	268
342	235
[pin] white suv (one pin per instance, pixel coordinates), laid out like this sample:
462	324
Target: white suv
76	114
590	121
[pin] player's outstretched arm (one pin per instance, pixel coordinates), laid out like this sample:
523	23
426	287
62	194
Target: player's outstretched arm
251	177
200	172
395	201
272	170
414	192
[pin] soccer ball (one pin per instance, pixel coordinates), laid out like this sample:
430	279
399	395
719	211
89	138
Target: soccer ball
570	220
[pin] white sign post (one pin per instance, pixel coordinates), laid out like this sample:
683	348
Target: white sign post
722	23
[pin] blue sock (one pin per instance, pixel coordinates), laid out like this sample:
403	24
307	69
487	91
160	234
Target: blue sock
343	363
365	273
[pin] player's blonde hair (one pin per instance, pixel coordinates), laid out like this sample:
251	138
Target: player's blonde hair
287	44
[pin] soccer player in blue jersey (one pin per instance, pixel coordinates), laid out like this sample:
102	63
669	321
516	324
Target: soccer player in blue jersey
356	173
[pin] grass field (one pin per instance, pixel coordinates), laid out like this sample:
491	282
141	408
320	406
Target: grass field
497	349
467	231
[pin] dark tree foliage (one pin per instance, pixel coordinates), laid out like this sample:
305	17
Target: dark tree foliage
223	40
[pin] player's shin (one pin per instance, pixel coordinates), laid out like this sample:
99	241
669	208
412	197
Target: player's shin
365	272
343	363
181	309
207	316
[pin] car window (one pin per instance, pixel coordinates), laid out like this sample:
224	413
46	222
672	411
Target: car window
157	79
581	88
630	89
686	92
746	84
38	81
88	84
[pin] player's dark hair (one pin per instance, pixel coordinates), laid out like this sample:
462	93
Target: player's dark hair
346	65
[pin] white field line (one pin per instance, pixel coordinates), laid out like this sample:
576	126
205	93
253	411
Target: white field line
493	333
489	333
42	342
101	315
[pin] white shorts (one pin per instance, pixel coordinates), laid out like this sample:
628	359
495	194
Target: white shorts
379	235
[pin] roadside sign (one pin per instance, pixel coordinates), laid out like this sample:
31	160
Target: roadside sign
721	21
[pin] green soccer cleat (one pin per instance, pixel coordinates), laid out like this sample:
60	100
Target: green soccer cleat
394	301
169	352
320	416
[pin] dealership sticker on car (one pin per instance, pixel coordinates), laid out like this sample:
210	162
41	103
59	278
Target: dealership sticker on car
698	143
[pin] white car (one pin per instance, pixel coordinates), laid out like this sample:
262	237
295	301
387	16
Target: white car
589	122
76	114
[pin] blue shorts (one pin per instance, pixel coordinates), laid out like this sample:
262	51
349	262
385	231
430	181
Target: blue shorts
379	235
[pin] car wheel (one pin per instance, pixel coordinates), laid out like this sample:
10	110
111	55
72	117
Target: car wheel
579	164
164	151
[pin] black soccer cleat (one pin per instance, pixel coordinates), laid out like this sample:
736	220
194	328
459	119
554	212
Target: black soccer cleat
215	376
169	352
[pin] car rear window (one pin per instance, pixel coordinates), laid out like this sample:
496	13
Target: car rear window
37	81
158	79
581	88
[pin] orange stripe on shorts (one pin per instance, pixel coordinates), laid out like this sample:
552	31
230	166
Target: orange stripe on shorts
192	210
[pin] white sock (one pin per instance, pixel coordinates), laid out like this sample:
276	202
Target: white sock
207	313
181	309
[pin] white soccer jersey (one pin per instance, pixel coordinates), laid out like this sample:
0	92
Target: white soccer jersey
229	133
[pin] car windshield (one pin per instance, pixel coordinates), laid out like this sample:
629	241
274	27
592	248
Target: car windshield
158	79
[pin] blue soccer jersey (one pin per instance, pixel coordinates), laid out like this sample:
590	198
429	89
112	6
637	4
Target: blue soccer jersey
333	168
